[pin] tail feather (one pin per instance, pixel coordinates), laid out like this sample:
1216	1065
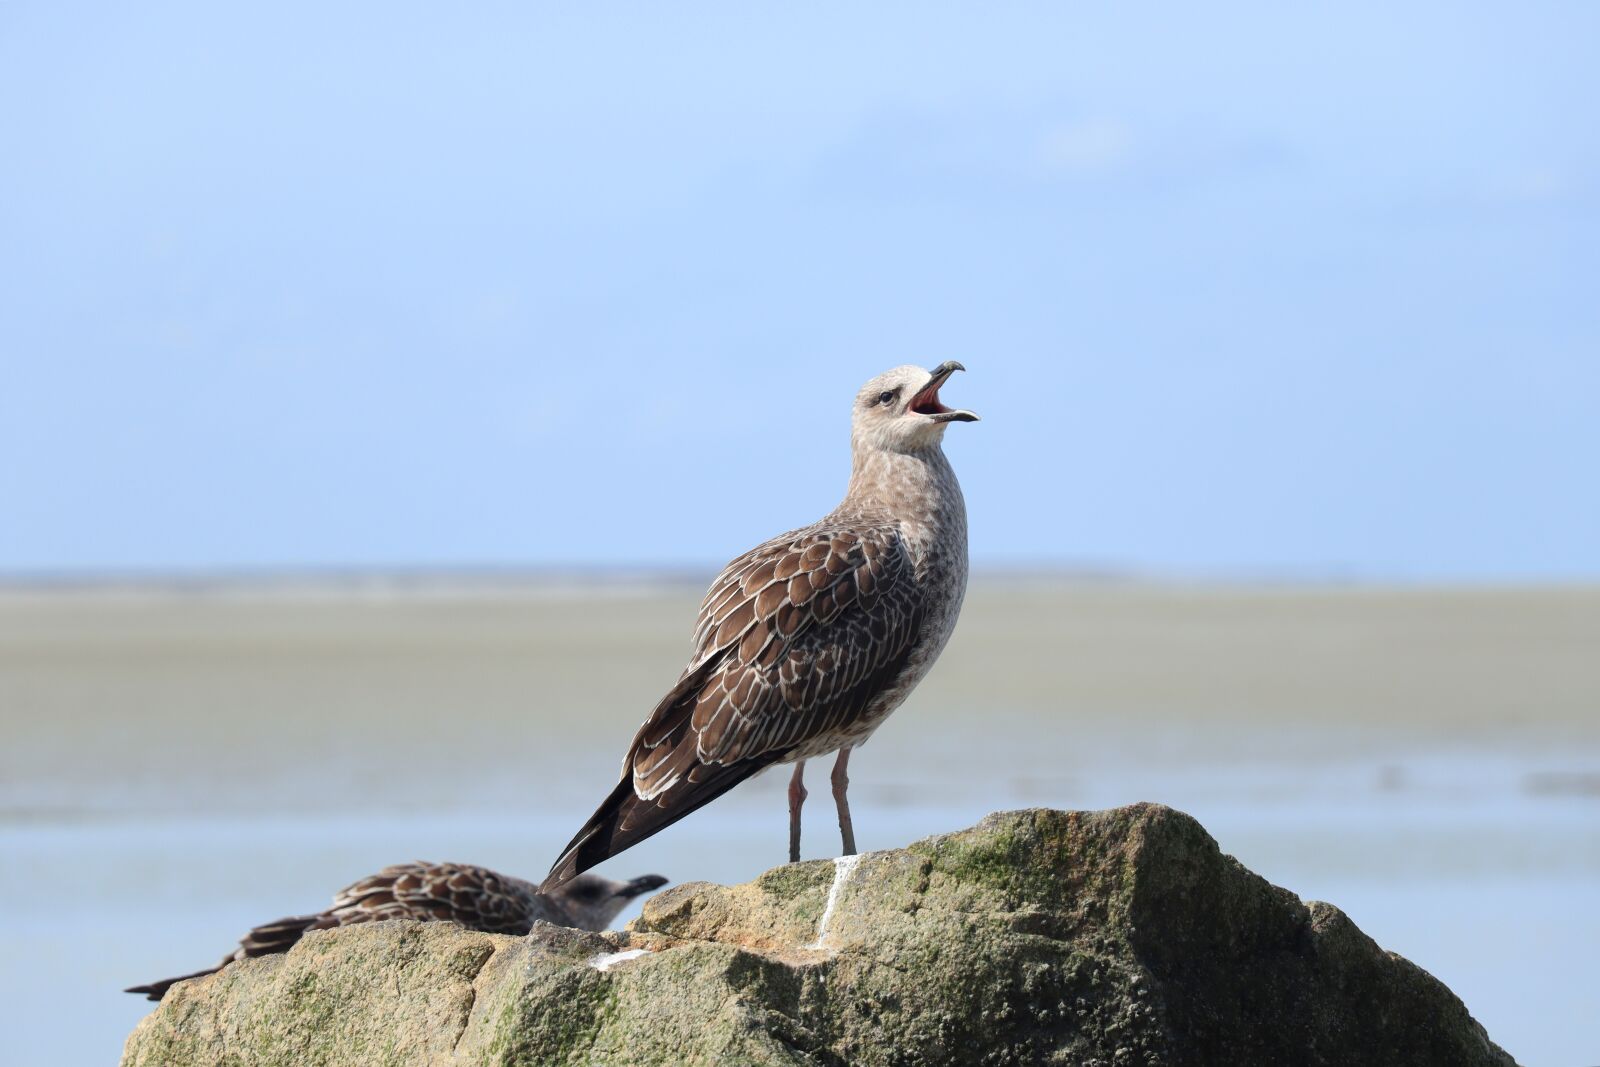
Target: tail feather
265	940
623	819
157	990
279	935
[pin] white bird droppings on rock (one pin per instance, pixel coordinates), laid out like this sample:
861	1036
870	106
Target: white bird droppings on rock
842	868
604	961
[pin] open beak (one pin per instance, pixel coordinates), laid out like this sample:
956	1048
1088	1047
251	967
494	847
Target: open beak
926	402
641	885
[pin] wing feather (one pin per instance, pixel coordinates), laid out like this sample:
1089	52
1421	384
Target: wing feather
793	640
475	897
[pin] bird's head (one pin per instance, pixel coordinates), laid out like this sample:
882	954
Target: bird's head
593	902
899	410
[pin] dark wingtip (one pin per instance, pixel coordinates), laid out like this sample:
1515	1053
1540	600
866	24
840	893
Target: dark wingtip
623	819
592	844
555	880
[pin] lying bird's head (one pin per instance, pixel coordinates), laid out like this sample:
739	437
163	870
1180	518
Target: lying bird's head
593	901
900	411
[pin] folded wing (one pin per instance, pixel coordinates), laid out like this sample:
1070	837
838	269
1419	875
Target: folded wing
793	641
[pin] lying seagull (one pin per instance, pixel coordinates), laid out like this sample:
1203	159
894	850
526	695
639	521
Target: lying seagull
805	644
474	897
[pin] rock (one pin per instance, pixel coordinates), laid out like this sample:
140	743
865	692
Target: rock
1114	938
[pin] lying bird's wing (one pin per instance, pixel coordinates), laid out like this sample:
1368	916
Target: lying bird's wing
474	897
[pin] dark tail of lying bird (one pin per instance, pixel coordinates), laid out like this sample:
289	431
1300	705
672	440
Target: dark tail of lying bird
264	940
623	819
157	990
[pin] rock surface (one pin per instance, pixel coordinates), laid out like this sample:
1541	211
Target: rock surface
1113	937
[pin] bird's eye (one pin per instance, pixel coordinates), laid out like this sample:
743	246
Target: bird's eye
885	397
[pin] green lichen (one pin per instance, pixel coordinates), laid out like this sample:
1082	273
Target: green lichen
552	1019
794	880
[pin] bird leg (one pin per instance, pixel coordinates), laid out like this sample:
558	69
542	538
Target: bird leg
797	797
841	784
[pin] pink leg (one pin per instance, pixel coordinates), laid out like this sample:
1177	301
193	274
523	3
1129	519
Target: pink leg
841	784
797	797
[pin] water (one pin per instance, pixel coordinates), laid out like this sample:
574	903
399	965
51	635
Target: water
177	768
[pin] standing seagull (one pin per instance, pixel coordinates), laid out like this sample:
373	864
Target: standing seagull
806	643
474	897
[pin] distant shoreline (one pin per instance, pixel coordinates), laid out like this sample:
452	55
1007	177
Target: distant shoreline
545	581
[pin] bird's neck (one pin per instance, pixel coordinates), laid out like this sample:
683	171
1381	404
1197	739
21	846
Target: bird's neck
917	489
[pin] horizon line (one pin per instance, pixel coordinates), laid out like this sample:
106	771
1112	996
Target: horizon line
485	577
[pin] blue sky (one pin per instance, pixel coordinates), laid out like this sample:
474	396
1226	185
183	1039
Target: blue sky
1242	290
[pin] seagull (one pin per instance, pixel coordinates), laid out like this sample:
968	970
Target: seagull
474	897
805	644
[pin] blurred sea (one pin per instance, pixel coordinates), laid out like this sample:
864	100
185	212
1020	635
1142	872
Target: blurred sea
179	764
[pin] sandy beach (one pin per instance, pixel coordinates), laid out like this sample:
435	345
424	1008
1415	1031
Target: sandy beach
179	763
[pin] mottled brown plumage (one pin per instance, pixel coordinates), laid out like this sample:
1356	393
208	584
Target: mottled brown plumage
806	643
474	897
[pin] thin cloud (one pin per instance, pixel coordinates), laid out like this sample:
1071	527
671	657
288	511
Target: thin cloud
1086	147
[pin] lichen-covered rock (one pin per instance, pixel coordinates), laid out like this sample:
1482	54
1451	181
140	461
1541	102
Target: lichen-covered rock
1037	937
